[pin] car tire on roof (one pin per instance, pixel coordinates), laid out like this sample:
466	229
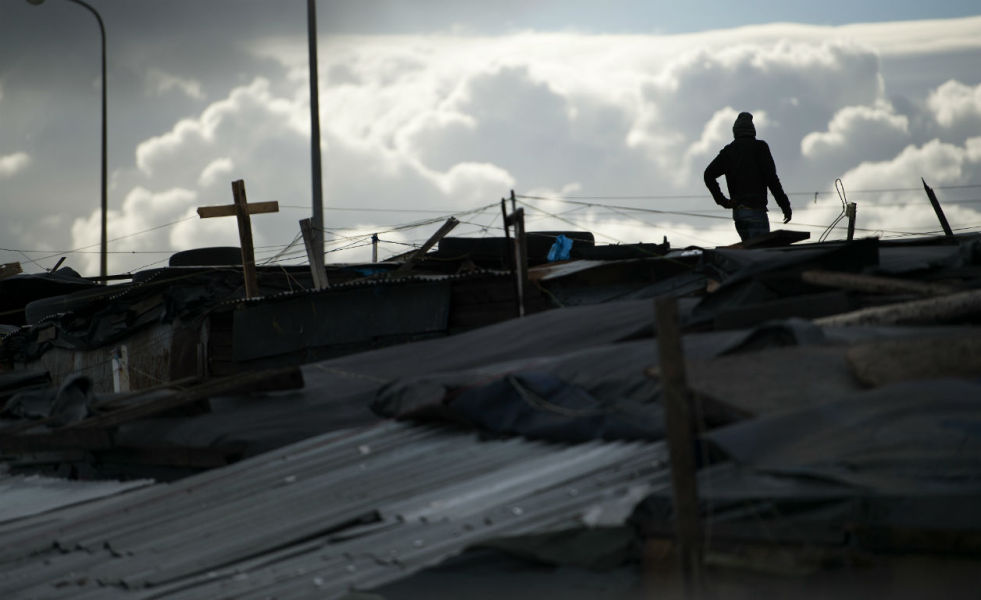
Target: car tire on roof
207	257
53	305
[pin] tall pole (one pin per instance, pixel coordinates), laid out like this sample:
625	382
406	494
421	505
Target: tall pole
318	193
104	241
103	236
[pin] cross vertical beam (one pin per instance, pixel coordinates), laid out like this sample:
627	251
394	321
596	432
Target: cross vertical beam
245	235
241	209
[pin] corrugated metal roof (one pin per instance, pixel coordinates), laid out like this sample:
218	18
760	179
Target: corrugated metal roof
26	495
356	508
377	281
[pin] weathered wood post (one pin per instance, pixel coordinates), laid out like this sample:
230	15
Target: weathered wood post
850	210
310	243
678	423
936	208
518	252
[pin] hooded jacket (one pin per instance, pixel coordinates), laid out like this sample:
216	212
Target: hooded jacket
749	170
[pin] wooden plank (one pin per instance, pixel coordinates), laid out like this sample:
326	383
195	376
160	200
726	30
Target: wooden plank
521	257
874	284
510	256
64	438
931	310
808	306
172	456
937	209
245	235
675	397
774	239
156	405
889	361
10	269
314	259
230	210
440	234
46	457
120	369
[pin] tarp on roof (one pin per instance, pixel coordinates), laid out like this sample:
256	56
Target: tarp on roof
897	467
905	438
338	392
18	290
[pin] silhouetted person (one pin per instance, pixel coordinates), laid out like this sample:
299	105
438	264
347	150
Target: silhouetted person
749	170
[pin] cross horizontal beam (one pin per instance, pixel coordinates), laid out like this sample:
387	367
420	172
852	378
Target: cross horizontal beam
229	210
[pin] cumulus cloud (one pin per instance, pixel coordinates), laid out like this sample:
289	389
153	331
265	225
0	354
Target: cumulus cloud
135	226
798	84
11	164
160	82
251	115
857	134
957	106
940	164
216	169
419	122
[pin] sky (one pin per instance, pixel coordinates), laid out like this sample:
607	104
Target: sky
600	117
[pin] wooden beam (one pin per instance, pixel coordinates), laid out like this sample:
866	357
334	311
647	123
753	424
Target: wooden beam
774	239
675	399
874	284
230	210
10	269
416	255
520	256
883	362
172	456
931	310
225	385
59	439
937	209
850	210
245	235
316	266
120	369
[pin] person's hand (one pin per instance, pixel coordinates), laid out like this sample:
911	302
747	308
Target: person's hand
724	203
786	214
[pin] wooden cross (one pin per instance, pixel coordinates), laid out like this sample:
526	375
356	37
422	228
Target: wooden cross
242	209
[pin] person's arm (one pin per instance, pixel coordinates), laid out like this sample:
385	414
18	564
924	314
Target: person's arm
715	170
773	182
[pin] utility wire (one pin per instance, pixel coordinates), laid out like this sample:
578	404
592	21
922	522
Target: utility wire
696	196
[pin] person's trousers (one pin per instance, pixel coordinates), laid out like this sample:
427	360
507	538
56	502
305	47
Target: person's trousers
750	222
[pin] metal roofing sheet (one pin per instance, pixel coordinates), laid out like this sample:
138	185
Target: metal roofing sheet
354	508
25	495
367	282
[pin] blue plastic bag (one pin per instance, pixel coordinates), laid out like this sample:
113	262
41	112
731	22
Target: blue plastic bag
560	249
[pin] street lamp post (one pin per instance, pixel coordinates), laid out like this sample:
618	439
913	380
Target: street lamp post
315	162
104	243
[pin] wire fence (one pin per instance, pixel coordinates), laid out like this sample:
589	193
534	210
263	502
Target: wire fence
603	215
